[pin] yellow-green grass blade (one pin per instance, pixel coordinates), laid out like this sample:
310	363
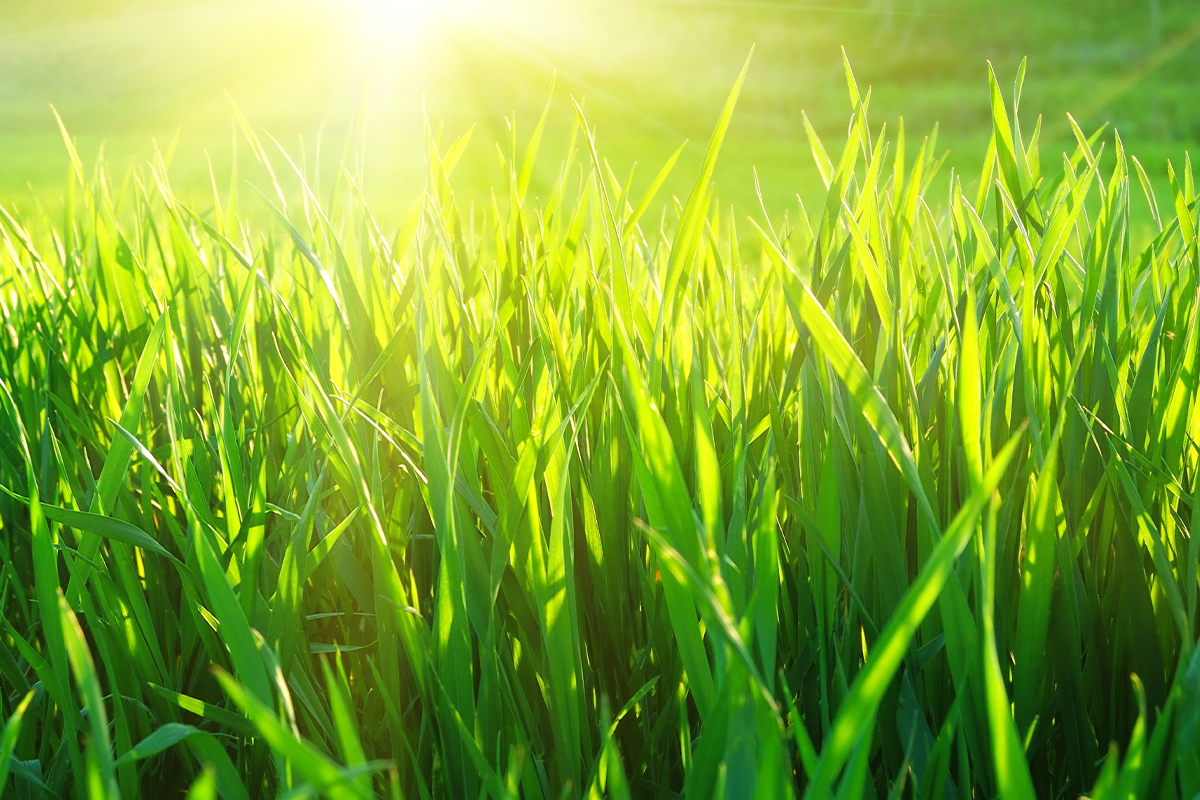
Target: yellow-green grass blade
8	740
326	776
691	220
651	192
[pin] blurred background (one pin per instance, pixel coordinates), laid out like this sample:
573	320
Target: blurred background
130	75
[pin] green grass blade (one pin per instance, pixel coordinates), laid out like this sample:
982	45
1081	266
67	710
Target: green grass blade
858	709
872	404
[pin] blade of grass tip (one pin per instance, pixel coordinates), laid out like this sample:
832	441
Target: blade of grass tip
619	281
1127	778
12	731
1084	144
691	221
824	164
309	254
1182	213
531	149
322	548
652	192
242	258
632	703
1158	765
76	163
839	189
1148	190
1003	137
985	175
1063	224
455	151
859	105
256	147
858	709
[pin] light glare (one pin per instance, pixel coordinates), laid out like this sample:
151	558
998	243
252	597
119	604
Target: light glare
400	16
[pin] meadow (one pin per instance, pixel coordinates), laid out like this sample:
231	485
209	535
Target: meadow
598	485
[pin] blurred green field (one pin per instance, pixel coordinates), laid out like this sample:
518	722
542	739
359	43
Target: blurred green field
651	74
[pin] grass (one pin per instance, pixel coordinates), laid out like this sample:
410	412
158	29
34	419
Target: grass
558	498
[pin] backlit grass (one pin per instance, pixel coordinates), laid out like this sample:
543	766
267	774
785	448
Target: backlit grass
893	495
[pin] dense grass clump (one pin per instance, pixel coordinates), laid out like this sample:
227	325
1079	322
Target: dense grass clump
558	500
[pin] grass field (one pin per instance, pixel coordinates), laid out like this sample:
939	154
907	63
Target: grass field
591	486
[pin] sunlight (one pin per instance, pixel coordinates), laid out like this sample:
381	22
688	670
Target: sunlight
411	18
398	14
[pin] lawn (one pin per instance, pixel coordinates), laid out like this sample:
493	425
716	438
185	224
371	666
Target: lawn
405	458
